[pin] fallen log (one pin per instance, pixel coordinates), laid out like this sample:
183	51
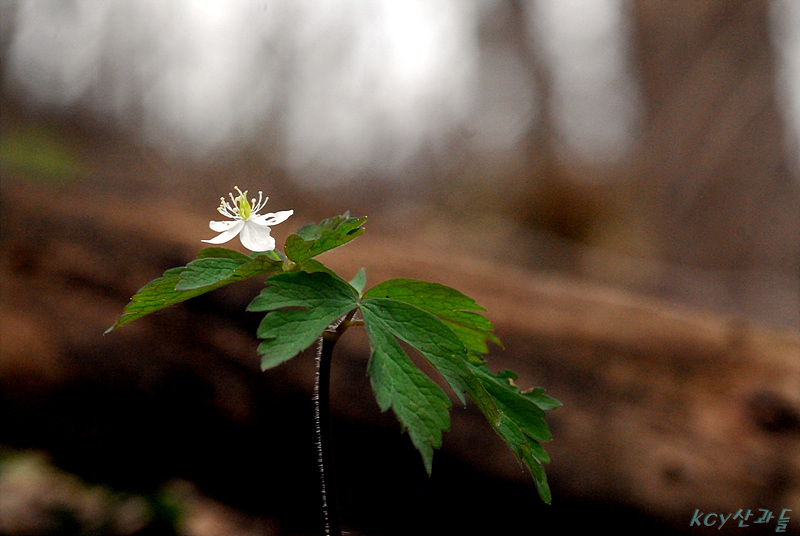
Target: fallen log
666	409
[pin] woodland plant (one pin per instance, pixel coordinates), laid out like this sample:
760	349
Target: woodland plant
305	303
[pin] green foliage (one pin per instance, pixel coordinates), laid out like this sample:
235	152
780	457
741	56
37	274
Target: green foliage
315	239
317	300
220	266
304	300
214	268
420	405
450	305
521	423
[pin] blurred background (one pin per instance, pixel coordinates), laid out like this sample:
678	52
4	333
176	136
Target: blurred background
649	147
648	144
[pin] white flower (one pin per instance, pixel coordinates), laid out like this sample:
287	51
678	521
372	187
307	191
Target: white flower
253	228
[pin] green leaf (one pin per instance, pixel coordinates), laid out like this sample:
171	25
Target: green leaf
314	239
439	344
450	305
529	452
512	403
205	272
537	394
224	253
211	271
419	404
424	332
313	265
542	400
359	281
274	254
439	323
215	268
521	424
318	299
154	296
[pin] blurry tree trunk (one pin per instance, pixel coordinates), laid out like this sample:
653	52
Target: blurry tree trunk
712	164
551	198
711	172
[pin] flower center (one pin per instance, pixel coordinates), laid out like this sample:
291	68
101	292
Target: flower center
244	207
239	208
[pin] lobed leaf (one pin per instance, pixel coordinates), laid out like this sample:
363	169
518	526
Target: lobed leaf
210	272
314	239
512	403
303	289
223	253
359	281
448	304
437	321
424	332
154	296
521	424
434	339
318	299
529	452
196	278
419	404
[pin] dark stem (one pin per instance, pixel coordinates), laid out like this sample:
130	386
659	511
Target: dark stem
327	475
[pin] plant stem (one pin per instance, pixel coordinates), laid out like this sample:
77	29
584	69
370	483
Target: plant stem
322	420
327	476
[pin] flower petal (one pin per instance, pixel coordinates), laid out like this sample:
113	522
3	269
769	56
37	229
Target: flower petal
273	218
229	230
255	236
222	226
